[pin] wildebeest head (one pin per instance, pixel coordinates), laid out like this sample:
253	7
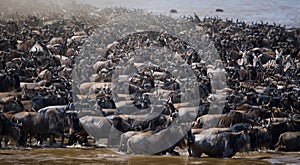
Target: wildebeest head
57	121
15	134
260	138
120	124
72	121
10	129
160	122
241	127
240	141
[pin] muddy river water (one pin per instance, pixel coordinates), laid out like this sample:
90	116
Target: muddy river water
93	155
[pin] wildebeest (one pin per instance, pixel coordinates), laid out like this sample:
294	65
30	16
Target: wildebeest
288	141
9	82
277	128
10	130
221	120
104	127
11	103
127	135
160	142
231	118
106	101
260	138
42	124
39	102
76	132
151	121
220	144
208	120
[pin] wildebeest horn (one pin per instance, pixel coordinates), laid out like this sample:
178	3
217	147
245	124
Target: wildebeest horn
266	125
19	124
296	117
72	111
269	123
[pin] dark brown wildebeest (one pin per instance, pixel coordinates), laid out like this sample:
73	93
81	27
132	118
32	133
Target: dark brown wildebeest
151	121
39	102
277	128
208	120
231	118
42	124
288	141
76	130
9	82
260	138
9	129
221	120
11	103
220	143
106	101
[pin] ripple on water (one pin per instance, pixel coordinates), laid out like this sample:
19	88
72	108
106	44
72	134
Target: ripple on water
105	156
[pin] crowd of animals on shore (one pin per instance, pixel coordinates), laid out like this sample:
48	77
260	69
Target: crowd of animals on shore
262	106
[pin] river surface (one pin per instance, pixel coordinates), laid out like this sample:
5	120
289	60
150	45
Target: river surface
281	12
104	156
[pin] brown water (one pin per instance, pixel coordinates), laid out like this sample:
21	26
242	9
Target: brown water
105	156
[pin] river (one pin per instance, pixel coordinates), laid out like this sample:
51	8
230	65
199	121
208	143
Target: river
92	155
281	12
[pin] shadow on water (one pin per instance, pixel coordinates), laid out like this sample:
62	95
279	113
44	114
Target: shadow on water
105	156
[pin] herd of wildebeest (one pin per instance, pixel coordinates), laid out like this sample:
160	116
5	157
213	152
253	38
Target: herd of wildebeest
261	110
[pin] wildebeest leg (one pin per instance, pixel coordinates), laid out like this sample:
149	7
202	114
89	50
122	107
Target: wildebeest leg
51	140
29	139
22	140
276	146
62	140
6	140
161	153
40	139
72	139
228	150
190	141
172	152
196	153
0	141
190	151
80	137
83	140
